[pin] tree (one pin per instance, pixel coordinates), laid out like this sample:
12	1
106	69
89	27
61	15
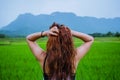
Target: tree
117	34
2	36
110	34
97	34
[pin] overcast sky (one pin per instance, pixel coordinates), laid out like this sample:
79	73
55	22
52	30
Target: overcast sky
10	9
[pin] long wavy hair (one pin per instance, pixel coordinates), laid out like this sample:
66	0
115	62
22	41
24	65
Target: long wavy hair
60	54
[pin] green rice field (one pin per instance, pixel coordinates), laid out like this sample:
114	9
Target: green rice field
102	62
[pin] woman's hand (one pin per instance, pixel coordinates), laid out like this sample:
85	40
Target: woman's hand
53	31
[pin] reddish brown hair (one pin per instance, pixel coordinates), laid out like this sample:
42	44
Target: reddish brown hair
60	54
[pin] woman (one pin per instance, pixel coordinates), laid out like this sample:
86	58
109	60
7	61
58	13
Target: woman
60	60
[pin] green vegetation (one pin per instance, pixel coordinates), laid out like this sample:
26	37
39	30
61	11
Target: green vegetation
108	34
96	34
101	63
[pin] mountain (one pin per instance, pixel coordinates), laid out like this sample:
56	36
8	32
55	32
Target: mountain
27	23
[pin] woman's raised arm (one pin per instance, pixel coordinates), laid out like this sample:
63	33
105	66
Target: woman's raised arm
88	40
34	47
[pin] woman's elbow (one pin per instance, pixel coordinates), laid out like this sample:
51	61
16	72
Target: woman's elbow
28	38
92	39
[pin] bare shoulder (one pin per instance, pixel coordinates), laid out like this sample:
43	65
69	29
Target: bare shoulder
82	50
42	58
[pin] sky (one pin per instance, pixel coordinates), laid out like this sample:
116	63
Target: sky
10	9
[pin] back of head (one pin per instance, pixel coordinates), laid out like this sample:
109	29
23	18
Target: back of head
60	54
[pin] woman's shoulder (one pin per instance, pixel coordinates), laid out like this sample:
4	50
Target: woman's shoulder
43	55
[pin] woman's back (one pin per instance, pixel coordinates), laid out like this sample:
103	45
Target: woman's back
60	55
47	75
60	60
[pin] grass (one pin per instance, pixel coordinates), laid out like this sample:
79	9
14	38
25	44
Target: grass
100	63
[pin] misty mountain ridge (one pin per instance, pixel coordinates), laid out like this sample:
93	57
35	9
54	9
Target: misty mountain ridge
28	23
